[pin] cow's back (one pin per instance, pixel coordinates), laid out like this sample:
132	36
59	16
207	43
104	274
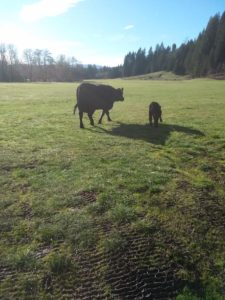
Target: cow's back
92	96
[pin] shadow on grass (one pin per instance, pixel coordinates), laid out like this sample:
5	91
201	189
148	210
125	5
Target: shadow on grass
149	134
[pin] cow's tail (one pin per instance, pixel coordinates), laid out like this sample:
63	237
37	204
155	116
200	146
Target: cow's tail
75	108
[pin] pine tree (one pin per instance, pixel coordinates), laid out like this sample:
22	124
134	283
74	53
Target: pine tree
128	65
149	61
208	43
219	53
140	62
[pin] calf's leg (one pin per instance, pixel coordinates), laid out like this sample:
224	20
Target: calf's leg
156	121
150	118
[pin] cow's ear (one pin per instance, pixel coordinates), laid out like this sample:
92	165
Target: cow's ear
122	90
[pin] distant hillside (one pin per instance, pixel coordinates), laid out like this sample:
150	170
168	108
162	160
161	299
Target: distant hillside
218	76
162	75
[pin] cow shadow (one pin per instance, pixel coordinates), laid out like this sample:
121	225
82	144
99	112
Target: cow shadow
147	133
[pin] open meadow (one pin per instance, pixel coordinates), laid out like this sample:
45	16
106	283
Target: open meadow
115	211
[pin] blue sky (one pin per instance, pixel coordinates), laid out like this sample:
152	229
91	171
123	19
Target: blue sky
102	32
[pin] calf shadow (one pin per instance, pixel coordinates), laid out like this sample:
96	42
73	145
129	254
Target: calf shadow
149	134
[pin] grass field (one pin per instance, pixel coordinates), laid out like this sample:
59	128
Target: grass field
118	210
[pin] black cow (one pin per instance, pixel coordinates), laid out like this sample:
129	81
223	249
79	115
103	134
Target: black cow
96	96
155	112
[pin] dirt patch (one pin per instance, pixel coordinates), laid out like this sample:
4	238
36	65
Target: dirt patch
211	210
141	271
27	211
43	251
6	272
29	165
82	199
88	196
136	271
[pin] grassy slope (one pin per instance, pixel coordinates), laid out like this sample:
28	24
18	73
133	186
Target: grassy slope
160	75
73	200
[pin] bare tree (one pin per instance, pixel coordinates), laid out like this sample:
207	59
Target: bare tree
3	63
29	58
13	61
48	63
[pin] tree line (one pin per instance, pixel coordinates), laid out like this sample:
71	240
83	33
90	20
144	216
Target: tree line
40	65
199	57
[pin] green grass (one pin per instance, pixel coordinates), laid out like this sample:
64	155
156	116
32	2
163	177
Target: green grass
70	196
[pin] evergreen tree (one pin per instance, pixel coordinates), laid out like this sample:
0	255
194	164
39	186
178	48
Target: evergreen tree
208	43
219	53
171	58
128	66
140	62
149	61
179	67
188	61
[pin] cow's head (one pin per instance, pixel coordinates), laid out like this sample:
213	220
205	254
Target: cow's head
119	94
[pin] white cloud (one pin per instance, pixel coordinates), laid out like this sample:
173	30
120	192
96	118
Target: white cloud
46	8
128	27
23	38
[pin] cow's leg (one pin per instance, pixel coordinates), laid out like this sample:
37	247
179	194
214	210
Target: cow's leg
81	117
107	113
150	118
91	119
102	115
156	121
